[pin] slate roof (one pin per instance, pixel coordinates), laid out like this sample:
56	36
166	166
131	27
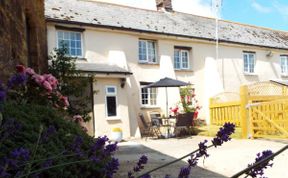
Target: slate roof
177	24
101	68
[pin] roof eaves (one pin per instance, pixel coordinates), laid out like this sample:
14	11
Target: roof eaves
49	19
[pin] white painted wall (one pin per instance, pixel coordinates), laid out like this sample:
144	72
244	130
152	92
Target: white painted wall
206	73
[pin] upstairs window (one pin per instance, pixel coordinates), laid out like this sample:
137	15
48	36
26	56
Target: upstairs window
71	40
284	64
147	51
249	62
111	101
181	58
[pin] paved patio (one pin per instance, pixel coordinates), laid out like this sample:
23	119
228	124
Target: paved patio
222	162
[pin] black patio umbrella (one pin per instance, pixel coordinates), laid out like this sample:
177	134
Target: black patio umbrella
167	82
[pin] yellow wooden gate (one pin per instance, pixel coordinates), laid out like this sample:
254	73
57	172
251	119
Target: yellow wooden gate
261	110
269	119
267	110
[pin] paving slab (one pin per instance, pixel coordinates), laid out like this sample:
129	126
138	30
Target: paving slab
224	161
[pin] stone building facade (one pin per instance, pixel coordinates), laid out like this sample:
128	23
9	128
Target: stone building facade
22	35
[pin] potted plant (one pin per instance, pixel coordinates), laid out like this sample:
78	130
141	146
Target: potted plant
117	134
189	107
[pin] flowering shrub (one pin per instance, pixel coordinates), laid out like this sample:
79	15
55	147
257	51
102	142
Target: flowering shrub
35	138
26	86
188	100
188	103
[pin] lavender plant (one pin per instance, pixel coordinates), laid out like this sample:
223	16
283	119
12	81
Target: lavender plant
60	144
223	135
259	170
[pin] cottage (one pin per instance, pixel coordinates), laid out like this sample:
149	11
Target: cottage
126	48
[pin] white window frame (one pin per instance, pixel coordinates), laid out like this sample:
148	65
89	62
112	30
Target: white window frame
284	68
147	60
149	97
181	51
107	93
81	40
253	63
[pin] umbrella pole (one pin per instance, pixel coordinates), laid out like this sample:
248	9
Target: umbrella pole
166	102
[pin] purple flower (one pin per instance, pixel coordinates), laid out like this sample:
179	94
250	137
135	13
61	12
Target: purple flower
76	145
111	167
259	170
49	132
17	80
20	154
94	159
146	176
202	149
2	93
223	135
99	143
139	165
111	148
193	161
184	172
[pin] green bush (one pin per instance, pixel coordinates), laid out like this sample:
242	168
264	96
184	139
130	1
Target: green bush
34	117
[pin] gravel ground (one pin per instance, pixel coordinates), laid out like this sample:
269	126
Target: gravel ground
224	161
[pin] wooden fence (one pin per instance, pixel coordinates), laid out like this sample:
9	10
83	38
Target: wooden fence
261	110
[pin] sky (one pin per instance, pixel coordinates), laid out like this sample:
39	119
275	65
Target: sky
265	13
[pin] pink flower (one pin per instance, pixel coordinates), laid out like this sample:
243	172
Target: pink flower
51	79
39	79
47	86
77	118
64	100
29	71
20	68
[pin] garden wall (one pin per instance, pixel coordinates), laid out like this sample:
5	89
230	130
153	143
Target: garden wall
22	35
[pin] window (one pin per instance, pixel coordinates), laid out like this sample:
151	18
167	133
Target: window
147	51
148	96
284	64
181	59
111	101
72	40
249	62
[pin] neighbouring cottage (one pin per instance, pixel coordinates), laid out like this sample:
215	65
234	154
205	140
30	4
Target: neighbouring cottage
22	36
126	48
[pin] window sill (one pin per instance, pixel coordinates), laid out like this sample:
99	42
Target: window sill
150	107
250	74
284	75
81	58
183	70
148	63
114	118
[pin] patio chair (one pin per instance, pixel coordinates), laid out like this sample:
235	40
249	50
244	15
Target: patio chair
183	122
155	118
148	128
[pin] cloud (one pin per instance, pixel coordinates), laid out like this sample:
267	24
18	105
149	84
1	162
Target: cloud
260	8
281	8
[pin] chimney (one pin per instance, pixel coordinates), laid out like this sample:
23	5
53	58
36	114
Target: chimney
164	5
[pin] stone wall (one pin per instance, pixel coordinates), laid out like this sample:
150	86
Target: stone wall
22	35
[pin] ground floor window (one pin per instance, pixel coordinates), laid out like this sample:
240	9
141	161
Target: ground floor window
111	101
148	96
